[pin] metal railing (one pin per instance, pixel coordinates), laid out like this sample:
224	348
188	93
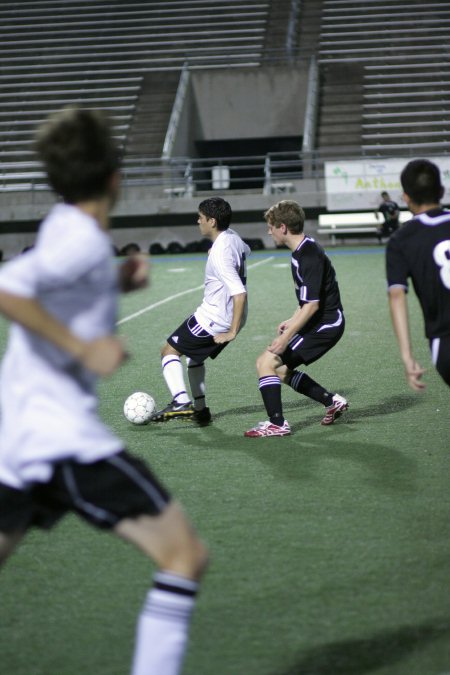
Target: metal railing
186	176
177	110
311	109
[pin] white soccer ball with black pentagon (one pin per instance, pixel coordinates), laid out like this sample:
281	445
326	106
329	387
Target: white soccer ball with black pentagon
139	407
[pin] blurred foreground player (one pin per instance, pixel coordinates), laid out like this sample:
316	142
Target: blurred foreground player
56	454
315	327
420	250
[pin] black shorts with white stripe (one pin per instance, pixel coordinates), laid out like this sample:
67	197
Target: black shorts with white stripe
103	493
305	348
440	352
194	341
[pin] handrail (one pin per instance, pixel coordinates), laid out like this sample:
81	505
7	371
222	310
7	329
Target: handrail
185	176
177	109
292	28
312	93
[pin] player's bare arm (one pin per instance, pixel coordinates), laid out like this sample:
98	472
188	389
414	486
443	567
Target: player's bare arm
239	301
287	329
103	356
399	315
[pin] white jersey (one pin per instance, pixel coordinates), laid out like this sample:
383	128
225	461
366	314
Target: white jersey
48	400
225	276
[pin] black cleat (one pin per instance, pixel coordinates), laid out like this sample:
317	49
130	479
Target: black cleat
173	411
202	417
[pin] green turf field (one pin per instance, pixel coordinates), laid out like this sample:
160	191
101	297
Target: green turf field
330	548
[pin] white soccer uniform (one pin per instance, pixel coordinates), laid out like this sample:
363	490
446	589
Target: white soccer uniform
225	276
48	400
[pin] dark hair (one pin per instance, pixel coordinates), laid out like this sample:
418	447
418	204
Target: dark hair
79	153
130	248
217	208
421	181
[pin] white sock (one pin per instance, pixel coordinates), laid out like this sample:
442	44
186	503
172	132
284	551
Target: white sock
196	374
174	377
162	630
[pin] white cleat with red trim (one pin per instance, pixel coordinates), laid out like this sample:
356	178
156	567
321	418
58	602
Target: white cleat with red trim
268	429
339	405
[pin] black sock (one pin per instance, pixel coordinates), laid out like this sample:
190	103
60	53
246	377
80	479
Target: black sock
303	384
270	388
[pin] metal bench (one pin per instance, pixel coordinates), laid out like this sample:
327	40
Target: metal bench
351	224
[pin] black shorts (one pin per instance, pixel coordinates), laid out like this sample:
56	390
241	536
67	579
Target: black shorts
388	227
103	493
305	348
440	351
194	341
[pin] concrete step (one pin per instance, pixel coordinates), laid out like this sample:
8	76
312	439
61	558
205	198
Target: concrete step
351	101
327	139
348	130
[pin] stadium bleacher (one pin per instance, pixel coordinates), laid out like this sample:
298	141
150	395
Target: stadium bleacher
55	53
384	80
390	52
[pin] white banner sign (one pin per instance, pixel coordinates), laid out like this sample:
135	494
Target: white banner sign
357	185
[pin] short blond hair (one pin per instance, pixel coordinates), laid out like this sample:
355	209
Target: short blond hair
287	212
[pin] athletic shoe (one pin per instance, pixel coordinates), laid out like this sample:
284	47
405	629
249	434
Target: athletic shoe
202	417
335	409
268	429
172	411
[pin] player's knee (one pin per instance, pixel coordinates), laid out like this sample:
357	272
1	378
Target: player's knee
166	349
260	361
265	362
200	559
284	374
184	552
190	559
8	543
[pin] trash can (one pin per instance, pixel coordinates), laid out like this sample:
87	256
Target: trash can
220	177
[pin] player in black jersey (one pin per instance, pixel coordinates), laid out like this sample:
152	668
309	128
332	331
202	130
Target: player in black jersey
390	212
420	250
314	328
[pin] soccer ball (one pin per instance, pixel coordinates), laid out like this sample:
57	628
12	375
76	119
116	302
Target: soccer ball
139	407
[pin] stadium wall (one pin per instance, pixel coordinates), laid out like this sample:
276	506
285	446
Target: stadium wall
244	103
142	218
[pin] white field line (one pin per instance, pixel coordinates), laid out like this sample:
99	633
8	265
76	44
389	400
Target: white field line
179	295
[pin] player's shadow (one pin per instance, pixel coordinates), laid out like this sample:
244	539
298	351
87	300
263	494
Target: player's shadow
357	657
388	406
394	404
